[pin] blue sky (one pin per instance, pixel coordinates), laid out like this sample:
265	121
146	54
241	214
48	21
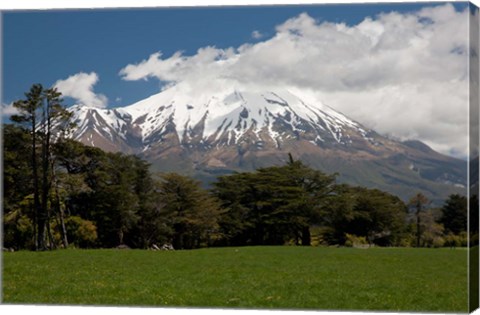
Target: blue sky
400	69
43	47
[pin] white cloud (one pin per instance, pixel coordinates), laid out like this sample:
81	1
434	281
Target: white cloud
208	61
80	88
8	110
257	34
402	74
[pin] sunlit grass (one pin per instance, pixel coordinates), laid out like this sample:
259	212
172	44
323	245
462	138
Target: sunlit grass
396	279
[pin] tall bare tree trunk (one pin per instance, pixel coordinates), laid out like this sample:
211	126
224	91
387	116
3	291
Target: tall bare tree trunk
39	218
419	201
60	211
418	228
45	166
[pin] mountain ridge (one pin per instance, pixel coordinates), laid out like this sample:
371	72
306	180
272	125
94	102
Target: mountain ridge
203	135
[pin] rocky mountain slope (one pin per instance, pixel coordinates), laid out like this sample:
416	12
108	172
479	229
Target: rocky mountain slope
232	129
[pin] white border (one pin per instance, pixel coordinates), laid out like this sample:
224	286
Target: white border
87	4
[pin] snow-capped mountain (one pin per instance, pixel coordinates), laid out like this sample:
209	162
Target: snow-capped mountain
221	119
209	133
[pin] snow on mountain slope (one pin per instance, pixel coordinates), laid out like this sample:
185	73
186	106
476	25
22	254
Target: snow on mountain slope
106	120
227	114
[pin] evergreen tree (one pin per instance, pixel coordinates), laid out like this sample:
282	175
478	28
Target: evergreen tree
377	216
454	214
43	116
148	230
272	205
189	211
237	199
18	211
28	118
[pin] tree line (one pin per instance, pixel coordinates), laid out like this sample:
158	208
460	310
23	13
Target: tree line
59	193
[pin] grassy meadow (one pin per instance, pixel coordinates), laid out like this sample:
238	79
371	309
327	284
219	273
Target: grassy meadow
283	277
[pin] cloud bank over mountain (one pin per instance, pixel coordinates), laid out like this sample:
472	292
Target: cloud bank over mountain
405	75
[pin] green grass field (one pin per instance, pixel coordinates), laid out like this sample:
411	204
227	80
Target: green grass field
396	279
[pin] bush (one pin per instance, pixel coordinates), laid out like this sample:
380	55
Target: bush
355	241
328	236
452	240
407	241
438	241
80	232
463	236
18	231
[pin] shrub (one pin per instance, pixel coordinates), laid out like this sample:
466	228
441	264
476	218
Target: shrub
80	232
355	241
452	240
18	231
438	241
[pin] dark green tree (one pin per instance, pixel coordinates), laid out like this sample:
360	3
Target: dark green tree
54	126
112	202
18	210
473	219
272	205
315	188
43	116
28	118
454	214
377	216
336	215
17	171
190	211
237	197
151	228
